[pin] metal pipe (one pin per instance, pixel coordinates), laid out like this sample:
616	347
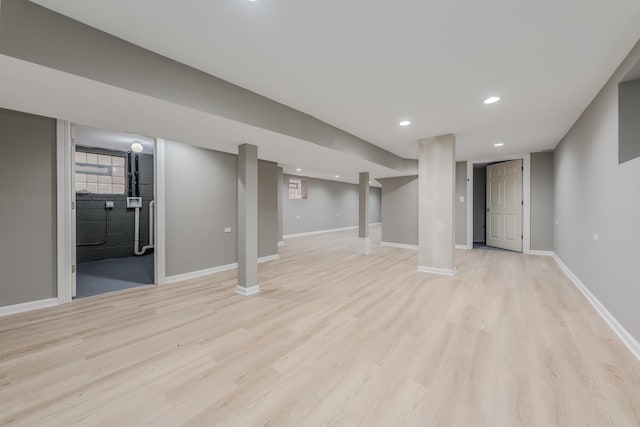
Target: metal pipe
136	239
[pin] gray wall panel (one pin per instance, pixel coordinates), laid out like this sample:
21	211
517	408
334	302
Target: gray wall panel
28	209
461	207
400	210
267	208
329	205
542	201
595	194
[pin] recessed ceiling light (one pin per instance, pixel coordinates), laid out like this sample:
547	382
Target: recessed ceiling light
492	100
369	182
498	144
136	147
299	170
337	176
405	123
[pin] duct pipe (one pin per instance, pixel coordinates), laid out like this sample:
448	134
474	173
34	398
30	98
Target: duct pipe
136	241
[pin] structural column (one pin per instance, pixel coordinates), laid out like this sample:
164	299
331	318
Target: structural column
436	200
247	220
280	186
364	242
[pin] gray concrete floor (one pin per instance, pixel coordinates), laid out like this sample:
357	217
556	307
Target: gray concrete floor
95	278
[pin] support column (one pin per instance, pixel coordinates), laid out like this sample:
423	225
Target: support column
364	242
280	212
247	220
436	200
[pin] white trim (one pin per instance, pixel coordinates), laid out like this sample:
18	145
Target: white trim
27	306
159	252
268	258
465	247
213	270
435	270
64	224
627	339
526	196
200	273
376	223
247	292
281	243
399	245
539	253
312	233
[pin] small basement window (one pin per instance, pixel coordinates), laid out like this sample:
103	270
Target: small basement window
99	173
297	188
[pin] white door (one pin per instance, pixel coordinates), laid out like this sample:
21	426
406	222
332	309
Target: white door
73	211
504	205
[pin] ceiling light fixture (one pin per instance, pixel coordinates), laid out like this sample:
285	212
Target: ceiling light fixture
498	144
405	123
492	100
337	176
136	147
298	170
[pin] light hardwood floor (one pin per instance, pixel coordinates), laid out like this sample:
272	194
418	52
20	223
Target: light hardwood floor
333	339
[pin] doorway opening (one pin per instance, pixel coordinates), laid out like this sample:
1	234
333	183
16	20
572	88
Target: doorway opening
498	205
113	179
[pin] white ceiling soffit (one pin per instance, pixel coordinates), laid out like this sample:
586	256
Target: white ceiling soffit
363	66
25	86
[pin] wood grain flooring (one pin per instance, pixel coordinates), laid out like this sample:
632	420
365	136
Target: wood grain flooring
333	339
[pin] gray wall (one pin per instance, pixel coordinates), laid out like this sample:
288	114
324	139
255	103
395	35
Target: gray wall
542	201
461	207
267	208
329	205
479	204
90	222
595	194
201	200
28	208
629	133
400	210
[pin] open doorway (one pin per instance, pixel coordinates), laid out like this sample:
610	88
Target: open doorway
498	205
113	180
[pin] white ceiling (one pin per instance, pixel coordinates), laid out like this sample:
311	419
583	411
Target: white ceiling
363	66
88	136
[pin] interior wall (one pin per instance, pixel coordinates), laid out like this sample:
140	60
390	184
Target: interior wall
629	107
90	216
461	204
28	242
202	200
400	210
595	195
479	204
542	201
329	205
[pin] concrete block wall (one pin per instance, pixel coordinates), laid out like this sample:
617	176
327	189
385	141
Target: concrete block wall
90	219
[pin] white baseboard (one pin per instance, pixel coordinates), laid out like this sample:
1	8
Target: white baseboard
465	247
435	270
28	306
213	270
268	258
627	339
281	243
313	233
247	292
398	245
540	253
200	273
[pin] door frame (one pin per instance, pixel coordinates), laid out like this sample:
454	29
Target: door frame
64	197
526	196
